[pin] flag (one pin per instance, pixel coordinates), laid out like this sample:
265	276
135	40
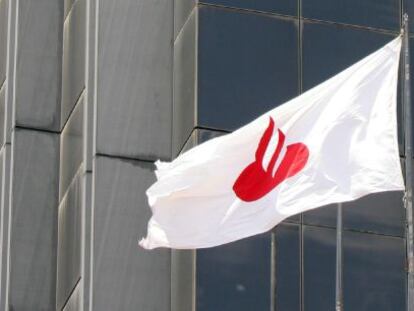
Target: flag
337	142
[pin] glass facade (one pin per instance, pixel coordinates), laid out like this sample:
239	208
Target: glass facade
242	74
249	57
240	272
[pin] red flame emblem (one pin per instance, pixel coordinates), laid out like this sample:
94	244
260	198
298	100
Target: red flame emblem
255	181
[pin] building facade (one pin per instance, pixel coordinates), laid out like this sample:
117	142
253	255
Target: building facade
94	91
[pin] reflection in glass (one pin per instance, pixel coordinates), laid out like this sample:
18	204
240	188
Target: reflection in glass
383	14
244	69
235	276
286	7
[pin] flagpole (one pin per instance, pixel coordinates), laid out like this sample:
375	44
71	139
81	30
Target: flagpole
408	164
338	282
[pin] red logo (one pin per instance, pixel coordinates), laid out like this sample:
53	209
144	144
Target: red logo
255	182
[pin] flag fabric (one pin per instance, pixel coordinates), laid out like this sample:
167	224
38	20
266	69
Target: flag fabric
335	143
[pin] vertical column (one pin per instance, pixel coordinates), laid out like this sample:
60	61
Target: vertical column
89	125
185	51
31	154
73	175
5	161
116	120
129	91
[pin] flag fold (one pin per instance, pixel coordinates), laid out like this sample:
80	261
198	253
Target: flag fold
334	143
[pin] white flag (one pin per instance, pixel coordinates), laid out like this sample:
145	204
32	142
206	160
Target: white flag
335	143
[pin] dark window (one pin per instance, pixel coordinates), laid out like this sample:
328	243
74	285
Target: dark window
373	266
374	274
287	264
286	7
380	213
235	276
247	65
319	251
384	14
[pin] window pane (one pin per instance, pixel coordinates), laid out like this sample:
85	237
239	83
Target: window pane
374	274
287	7
323	216
287	262
384	14
379	212
373	270
329	49
244	69
319	253
235	276
409	8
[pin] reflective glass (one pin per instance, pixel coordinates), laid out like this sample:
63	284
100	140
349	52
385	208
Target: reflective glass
322	216
379	212
287	263
287	7
248	64
384	14
329	49
374	272
319	253
294	219
409	8
382	213
199	136
235	276
203	135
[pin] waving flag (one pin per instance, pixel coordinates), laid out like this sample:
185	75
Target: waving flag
335	143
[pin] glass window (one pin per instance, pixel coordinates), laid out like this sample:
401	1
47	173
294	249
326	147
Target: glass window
287	7
287	264
408	6
323	216
329	49
248	64
319	253
374	272
379	212
235	276
384	14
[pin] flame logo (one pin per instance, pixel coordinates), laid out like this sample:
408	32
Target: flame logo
255	182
